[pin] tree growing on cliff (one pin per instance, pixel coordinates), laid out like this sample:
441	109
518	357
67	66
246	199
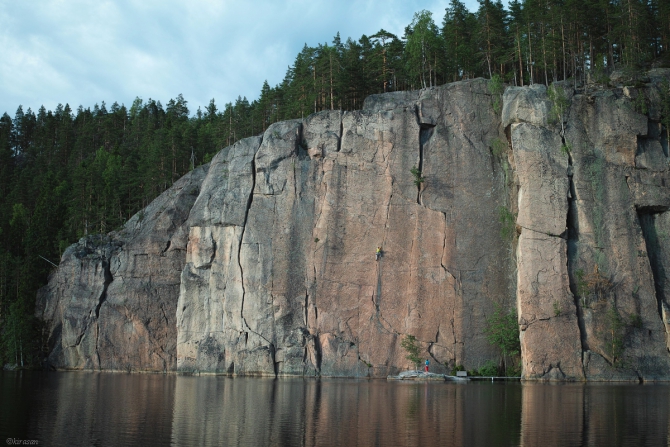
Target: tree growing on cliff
411	346
502	331
614	336
418	179
496	88
597	285
560	106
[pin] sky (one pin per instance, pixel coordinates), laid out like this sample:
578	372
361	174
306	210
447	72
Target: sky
84	52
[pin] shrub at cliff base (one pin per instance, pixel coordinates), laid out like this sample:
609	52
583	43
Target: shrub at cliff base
502	330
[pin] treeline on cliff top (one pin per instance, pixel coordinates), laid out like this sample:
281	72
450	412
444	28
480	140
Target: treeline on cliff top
65	174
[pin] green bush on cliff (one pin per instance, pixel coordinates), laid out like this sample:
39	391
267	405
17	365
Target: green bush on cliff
560	106
490	369
416	173
557	309
640	103
592	286
507	223
566	148
496	88
411	346
502	331
558	113
498	147
614	336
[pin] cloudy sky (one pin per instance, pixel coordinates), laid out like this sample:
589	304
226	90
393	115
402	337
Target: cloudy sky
84	52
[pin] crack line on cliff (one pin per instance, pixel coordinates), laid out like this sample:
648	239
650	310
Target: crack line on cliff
425	134
103	297
244	226
388	214
108	280
339	140
570	225
306	306
250	200
559	236
444	244
295	179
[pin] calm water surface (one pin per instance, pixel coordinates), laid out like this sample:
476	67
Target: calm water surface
103	409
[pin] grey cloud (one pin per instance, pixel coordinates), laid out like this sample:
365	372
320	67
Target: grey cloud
82	53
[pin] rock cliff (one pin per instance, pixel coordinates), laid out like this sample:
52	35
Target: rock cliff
263	262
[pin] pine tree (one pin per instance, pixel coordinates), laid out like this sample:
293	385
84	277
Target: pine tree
491	34
457	33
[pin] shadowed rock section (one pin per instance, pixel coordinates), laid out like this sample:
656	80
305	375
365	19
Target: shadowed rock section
111	304
263	262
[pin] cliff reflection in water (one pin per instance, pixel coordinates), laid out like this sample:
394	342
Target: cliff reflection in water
595	414
343	412
121	409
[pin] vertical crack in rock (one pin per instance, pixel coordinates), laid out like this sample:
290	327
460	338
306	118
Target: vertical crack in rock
103	297
213	255
317	353
444	246
108	280
572	239
246	328
244	226
316	309
572	242
376	299
306	314
388	215
97	351
379	285
425	133
295	177
647	218
339	141
377	291
167	247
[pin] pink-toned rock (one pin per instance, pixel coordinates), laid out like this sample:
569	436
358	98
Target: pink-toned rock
295	288
111	303
550	342
263	262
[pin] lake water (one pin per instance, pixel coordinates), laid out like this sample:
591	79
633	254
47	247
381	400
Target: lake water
84	408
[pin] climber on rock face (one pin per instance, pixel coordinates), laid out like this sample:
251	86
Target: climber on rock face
378	253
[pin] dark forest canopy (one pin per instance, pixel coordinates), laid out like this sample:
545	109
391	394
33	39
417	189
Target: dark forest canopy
65	174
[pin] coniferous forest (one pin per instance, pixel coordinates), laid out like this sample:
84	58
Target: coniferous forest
67	173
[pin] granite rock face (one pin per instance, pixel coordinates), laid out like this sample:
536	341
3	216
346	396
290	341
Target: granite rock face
263	262
591	267
111	304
